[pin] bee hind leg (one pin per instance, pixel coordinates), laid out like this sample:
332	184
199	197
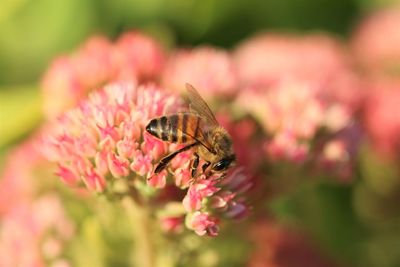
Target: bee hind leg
164	161
195	164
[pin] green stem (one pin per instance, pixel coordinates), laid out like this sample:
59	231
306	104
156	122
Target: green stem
145	251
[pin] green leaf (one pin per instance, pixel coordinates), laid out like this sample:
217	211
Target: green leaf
20	112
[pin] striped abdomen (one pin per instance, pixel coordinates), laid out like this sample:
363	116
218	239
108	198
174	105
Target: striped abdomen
177	128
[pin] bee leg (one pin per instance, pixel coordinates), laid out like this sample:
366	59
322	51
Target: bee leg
195	164
205	166
164	161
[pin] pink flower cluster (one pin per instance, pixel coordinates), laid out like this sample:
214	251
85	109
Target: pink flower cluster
104	140
34	227
381	120
216	195
133	57
294	98
376	45
207	68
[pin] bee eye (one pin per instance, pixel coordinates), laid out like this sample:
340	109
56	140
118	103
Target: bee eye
223	164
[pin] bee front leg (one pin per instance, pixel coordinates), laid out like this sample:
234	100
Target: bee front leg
195	164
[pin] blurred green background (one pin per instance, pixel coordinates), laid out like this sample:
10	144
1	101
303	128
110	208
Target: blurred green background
33	32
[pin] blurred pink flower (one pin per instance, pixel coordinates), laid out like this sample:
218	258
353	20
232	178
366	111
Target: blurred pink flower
210	70
139	56
376	42
172	224
247	141
17	180
104	140
319	59
267	57
33	233
33	224
202	223
293	114
277	246
381	119
134	57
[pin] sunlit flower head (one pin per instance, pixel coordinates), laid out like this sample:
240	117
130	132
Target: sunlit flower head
133	57
103	138
210	70
103	141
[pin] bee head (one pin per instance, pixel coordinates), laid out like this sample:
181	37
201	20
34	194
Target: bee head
224	163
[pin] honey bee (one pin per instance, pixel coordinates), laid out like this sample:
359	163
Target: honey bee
200	131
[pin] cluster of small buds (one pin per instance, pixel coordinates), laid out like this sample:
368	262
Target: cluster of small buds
210	198
133	57
104	140
104	136
293	115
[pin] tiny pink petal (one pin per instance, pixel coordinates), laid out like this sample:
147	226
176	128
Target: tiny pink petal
158	180
118	166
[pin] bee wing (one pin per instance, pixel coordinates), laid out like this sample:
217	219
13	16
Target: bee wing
199	106
196	129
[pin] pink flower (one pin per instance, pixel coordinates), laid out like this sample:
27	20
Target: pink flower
291	113
210	198
27	230
247	140
95	141
277	246
267	57
17	177
202	223
139	56
172	224
70	78
320	60
210	70
197	192
376	42
285	146
288	106
134	57
381	119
